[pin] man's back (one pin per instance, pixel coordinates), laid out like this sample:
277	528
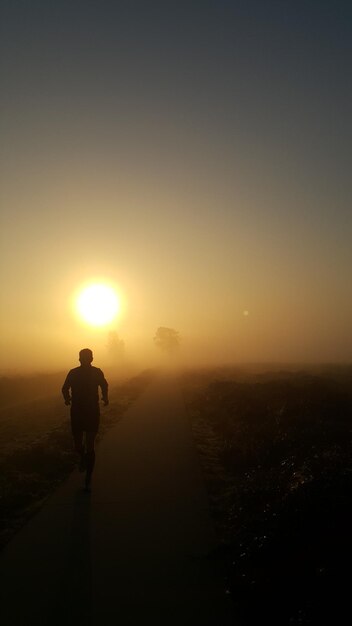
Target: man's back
84	383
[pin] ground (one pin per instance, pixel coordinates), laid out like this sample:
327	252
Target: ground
275	450
36	452
136	549
274	447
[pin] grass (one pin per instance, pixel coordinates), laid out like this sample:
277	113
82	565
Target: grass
275	451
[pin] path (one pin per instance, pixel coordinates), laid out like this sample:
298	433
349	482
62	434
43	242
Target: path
134	551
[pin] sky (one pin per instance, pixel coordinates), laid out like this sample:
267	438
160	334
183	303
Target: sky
196	156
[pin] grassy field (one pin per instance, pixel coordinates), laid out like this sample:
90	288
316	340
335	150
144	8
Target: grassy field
36	452
275	448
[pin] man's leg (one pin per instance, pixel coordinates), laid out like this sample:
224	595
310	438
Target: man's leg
90	443
79	447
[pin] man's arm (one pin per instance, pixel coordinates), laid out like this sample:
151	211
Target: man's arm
104	389
66	389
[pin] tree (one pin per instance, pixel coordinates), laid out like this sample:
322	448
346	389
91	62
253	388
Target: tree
115	346
167	339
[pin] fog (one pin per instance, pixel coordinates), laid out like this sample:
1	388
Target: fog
204	176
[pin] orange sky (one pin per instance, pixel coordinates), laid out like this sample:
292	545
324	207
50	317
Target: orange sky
203	180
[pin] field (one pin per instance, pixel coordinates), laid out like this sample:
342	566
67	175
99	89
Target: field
36	452
275	449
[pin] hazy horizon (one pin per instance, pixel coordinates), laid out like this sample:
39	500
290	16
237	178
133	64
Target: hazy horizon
197	159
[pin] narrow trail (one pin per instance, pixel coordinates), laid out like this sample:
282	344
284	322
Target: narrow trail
135	550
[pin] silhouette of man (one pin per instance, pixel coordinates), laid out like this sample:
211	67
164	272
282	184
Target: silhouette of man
81	391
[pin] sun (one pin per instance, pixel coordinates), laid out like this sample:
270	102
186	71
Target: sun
98	304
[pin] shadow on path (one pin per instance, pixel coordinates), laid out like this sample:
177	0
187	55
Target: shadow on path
75	592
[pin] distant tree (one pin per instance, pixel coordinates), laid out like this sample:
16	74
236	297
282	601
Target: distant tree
115	346
167	339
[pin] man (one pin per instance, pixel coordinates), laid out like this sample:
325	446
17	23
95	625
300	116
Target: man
83	382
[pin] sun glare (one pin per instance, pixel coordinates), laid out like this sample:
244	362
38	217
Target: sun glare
98	304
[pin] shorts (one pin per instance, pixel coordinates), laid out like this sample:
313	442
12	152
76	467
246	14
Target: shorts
85	419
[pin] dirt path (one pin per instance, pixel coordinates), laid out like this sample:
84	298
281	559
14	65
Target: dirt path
134	551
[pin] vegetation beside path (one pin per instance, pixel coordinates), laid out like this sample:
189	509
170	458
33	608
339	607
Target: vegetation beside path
276	456
36	452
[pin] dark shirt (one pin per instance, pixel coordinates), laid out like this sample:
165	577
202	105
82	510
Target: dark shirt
84	383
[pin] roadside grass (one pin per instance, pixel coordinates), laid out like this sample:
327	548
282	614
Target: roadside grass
33	466
277	463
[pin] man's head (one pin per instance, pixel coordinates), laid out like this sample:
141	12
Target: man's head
86	356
